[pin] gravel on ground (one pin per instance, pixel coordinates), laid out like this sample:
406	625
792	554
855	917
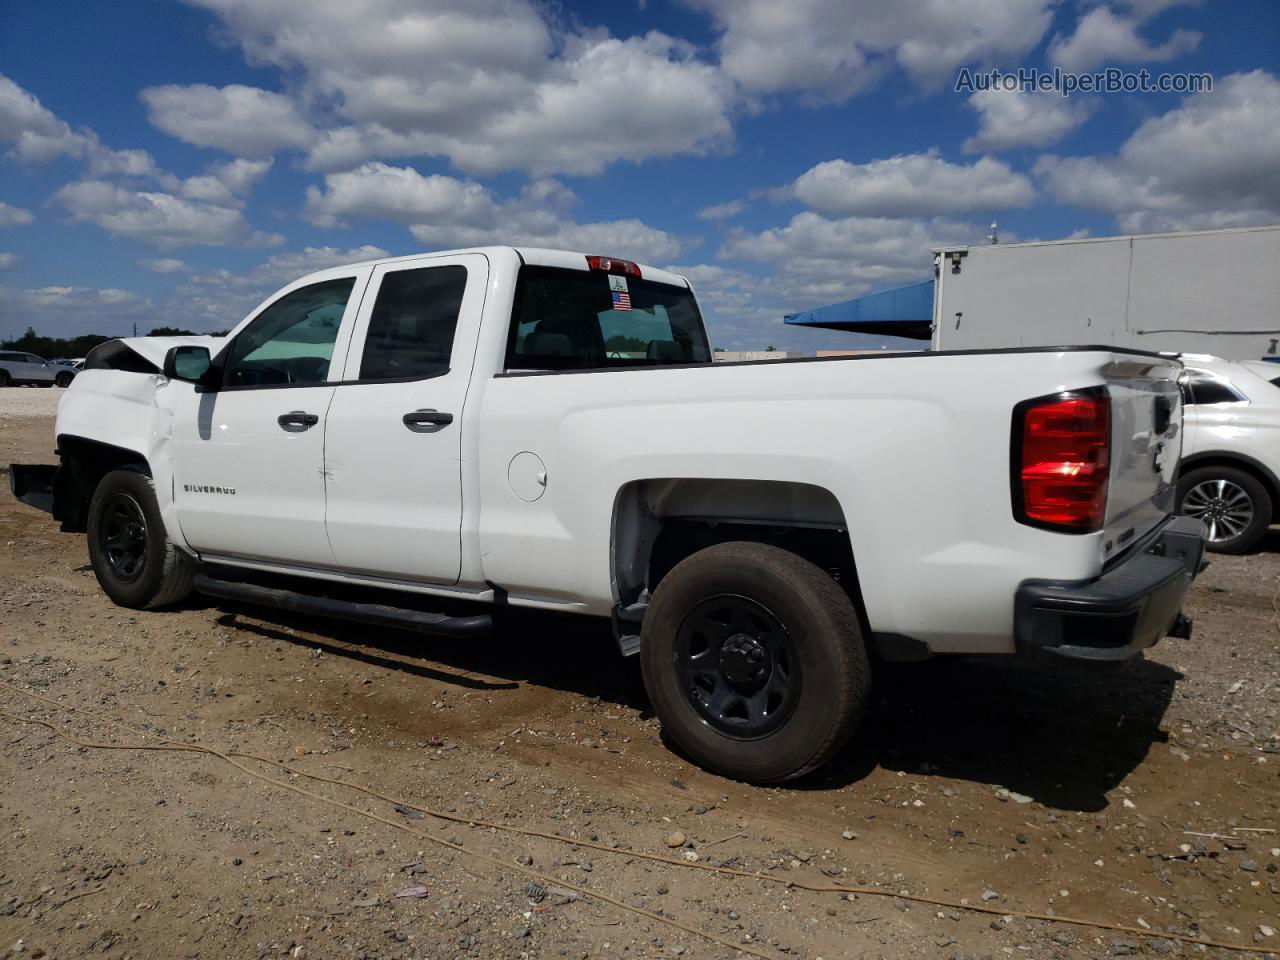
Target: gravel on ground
1148	797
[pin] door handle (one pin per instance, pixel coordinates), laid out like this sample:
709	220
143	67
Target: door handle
297	418
433	418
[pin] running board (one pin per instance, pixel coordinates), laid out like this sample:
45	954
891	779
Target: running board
377	614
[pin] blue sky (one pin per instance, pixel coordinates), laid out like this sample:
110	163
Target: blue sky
172	163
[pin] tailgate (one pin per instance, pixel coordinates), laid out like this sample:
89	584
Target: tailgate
1146	443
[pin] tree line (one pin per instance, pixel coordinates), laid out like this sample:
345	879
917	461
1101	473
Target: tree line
50	347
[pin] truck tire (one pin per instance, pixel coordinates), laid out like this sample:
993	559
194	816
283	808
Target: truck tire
135	562
754	661
1233	504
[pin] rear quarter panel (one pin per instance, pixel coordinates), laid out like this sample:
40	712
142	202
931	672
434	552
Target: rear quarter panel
914	448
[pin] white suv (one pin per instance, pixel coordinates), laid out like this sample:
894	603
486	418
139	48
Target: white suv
1230	471
18	368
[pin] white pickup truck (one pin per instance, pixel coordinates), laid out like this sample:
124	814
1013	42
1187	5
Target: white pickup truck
418	441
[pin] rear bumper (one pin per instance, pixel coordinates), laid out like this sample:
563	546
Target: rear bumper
1118	615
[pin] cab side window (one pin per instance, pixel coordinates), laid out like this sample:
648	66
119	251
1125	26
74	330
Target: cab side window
413	322
291	341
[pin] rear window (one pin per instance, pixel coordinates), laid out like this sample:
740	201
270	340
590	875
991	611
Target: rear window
583	320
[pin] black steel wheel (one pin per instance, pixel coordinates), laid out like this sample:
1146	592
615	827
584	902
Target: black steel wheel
738	666
123	534
136	564
754	661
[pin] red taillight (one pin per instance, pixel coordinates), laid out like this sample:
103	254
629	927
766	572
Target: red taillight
614	265
1061	459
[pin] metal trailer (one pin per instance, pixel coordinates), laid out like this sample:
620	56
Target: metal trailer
1208	291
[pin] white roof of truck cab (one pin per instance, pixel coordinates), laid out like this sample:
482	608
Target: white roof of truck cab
536	256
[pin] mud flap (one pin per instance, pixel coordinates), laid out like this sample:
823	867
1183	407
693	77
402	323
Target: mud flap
32	484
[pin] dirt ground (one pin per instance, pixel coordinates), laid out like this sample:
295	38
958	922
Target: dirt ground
1147	797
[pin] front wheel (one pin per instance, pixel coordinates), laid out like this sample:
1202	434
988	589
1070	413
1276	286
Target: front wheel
1233	504
136	564
754	661
64	379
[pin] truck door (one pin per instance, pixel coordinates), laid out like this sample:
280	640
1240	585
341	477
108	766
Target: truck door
249	456
393	441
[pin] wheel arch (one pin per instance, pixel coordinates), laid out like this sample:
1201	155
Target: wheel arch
1238	461
84	462
657	522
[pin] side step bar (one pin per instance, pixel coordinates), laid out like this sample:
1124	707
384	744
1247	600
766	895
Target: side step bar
377	614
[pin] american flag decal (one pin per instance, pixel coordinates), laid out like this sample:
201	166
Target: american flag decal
621	300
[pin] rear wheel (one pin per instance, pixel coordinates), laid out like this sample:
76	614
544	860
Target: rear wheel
1233	504
132	557
754	661
5	378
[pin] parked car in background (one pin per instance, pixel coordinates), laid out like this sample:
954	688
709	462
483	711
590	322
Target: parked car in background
1230	473
18	368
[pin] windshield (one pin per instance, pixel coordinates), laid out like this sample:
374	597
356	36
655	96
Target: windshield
581	320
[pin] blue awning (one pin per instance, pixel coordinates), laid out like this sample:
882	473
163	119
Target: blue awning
902	312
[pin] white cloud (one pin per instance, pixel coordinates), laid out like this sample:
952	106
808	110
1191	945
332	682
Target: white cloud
282	268
570	120
162	265
38	135
1011	119
911	185
817	260
219	299
1211	162
21	112
14	216
401	194
8	260
722	211
831	49
225	185
68	311
203	209
443	211
489	84
244	121
240	176
159	219
1104	38
1146	9
631	238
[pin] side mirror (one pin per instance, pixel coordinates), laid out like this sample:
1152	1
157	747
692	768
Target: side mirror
191	364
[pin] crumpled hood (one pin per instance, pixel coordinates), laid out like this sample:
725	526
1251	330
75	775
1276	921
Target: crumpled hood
154	349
